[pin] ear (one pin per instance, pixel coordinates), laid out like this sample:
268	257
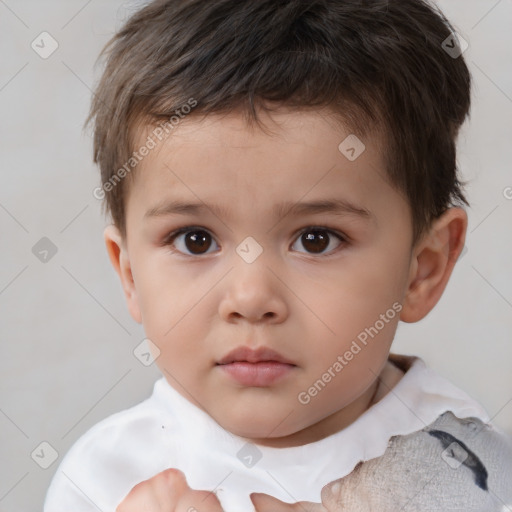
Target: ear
432	262
118	254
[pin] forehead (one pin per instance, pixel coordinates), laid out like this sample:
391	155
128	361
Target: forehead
222	162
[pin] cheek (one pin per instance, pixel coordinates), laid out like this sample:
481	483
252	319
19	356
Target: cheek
163	297
376	282
171	305
345	365
356	312
158	279
355	296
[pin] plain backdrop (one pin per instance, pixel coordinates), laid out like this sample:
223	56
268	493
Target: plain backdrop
67	357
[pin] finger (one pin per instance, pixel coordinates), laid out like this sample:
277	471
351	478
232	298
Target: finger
139	499
265	503
169	486
332	497
198	501
157	494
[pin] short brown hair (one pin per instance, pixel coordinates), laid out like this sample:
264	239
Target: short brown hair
377	63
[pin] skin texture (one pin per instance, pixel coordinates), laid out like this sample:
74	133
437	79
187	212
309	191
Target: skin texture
198	302
168	491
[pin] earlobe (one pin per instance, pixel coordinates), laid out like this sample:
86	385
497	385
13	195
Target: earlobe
432	263
118	254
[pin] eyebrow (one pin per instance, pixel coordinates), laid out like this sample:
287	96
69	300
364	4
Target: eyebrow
334	206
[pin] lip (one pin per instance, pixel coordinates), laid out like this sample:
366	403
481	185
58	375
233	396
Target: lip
248	355
262	374
259	368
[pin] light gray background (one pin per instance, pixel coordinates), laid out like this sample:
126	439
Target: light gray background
67	338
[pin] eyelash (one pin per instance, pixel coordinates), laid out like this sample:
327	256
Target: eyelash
169	239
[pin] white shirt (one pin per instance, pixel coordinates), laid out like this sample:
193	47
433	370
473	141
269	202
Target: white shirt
168	431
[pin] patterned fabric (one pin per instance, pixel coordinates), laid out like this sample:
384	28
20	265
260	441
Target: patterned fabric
453	464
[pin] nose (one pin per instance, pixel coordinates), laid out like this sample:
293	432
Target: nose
254	294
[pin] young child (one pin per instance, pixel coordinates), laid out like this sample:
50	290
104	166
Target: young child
256	130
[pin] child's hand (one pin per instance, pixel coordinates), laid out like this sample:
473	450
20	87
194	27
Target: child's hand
265	503
168	492
331	502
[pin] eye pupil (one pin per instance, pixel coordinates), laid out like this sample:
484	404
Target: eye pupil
200	240
315	240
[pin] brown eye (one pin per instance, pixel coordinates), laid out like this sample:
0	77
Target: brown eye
317	240
197	241
190	241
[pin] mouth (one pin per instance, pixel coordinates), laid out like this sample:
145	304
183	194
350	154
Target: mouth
261	374
248	355
255	368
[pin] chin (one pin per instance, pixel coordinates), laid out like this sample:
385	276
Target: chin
258	428
252	428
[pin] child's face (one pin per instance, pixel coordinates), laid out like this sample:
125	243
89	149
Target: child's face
308	295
